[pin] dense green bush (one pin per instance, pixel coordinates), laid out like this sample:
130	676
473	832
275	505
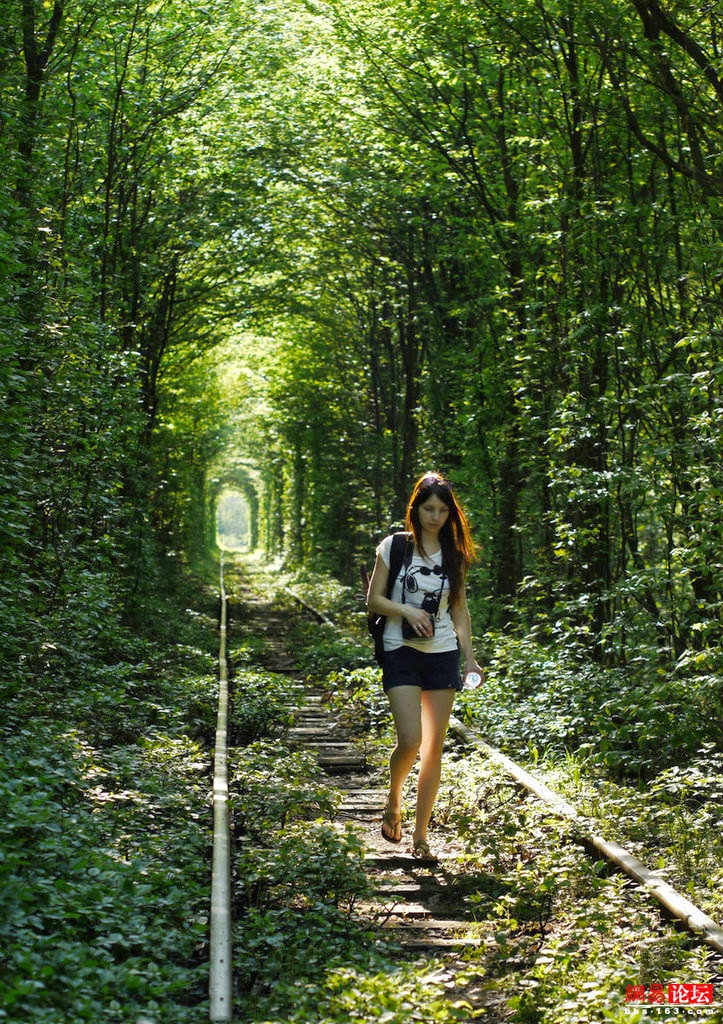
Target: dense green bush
320	649
313	868
359	699
103	885
104	774
635	720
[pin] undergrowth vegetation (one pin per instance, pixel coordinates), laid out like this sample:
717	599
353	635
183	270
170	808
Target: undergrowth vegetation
634	721
104	872
636	748
104	876
306	950
566	935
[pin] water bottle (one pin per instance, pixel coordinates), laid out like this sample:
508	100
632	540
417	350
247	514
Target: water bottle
472	680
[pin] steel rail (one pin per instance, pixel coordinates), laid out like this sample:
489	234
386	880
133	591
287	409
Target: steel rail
681	908
220	982
319	616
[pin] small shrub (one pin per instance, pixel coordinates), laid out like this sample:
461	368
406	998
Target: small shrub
322	649
312	868
273	787
358	697
261	706
634	720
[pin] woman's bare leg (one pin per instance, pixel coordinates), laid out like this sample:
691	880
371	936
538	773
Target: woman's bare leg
435	711
406	709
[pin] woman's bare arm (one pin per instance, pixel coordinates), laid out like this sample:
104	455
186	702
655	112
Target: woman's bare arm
463	627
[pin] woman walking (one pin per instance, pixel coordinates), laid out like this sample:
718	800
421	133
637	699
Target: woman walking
427	624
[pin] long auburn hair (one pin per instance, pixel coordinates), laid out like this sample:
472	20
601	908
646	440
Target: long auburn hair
456	542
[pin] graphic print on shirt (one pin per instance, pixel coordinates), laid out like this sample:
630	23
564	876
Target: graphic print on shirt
411	584
431	589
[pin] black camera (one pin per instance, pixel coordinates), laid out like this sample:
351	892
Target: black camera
430	604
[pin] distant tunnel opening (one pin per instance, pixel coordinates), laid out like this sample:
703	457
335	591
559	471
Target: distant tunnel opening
232	521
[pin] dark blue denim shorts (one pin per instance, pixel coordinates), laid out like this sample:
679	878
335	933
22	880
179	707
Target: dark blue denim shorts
434	671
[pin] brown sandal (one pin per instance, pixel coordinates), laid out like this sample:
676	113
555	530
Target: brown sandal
421	851
393	821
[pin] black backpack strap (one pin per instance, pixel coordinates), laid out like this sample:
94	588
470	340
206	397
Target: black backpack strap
401	554
402	549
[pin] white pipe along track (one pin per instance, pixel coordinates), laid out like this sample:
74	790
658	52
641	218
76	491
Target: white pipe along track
220	982
678	905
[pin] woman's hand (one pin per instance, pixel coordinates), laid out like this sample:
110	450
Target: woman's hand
418	619
472	665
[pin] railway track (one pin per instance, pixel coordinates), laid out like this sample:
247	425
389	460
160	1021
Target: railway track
220	984
425	910
416	905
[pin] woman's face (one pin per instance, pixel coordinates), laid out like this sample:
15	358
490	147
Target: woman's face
433	514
